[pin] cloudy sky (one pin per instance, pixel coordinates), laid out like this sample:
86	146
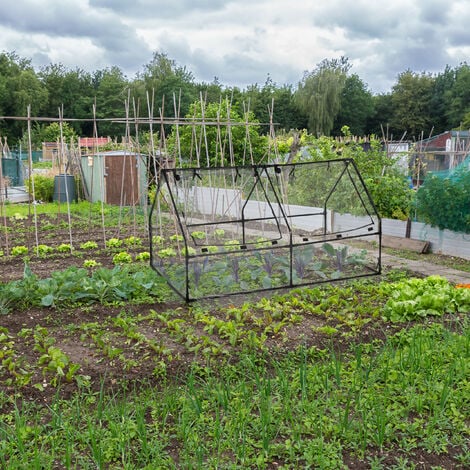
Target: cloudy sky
241	42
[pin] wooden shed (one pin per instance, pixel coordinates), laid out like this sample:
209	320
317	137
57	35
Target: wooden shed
115	177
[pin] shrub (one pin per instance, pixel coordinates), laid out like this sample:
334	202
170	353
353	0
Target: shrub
43	187
443	202
392	196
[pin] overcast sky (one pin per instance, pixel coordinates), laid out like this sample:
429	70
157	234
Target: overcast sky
241	42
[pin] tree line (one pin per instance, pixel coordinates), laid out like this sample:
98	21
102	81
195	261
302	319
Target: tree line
323	101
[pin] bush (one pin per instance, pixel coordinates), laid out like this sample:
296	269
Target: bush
43	187
444	202
392	196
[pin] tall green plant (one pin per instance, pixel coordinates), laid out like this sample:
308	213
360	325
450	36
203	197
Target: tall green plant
444	202
43	187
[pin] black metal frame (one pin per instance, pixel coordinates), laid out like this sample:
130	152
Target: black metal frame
169	178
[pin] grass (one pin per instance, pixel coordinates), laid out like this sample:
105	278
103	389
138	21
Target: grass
454	262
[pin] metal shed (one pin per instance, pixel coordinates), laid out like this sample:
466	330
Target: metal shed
115	177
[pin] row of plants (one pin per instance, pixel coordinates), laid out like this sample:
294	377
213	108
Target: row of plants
257	395
77	286
229	269
377	404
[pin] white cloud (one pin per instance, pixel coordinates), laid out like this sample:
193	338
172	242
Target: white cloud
243	41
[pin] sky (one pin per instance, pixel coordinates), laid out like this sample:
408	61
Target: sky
242	42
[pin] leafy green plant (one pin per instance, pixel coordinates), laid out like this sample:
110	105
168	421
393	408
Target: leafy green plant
416	298
443	202
113	243
91	263
19	250
122	258
64	248
133	241
189	250
198	235
143	256
158	240
43	187
42	250
89	245
167	252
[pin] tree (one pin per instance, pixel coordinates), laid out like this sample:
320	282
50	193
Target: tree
19	88
163	79
71	91
458	96
356	107
438	106
211	92
111	92
411	97
319	94
381	117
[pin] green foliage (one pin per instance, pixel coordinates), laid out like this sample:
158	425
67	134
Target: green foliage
19	250
54	132
122	258
356	107
443	202
113	243
43	250
392	196
215	145
418	298
43	187
319	94
75	286
411	99
89	245
389	189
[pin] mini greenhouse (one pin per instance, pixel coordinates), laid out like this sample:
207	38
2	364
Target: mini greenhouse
232	230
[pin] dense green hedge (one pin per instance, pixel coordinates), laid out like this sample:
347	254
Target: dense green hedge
445	202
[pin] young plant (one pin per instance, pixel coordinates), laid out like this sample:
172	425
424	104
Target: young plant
42	250
91	263
64	248
158	240
190	251
19	250
113	243
89	245
198	235
122	258
132	241
176	238
167	253
143	256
